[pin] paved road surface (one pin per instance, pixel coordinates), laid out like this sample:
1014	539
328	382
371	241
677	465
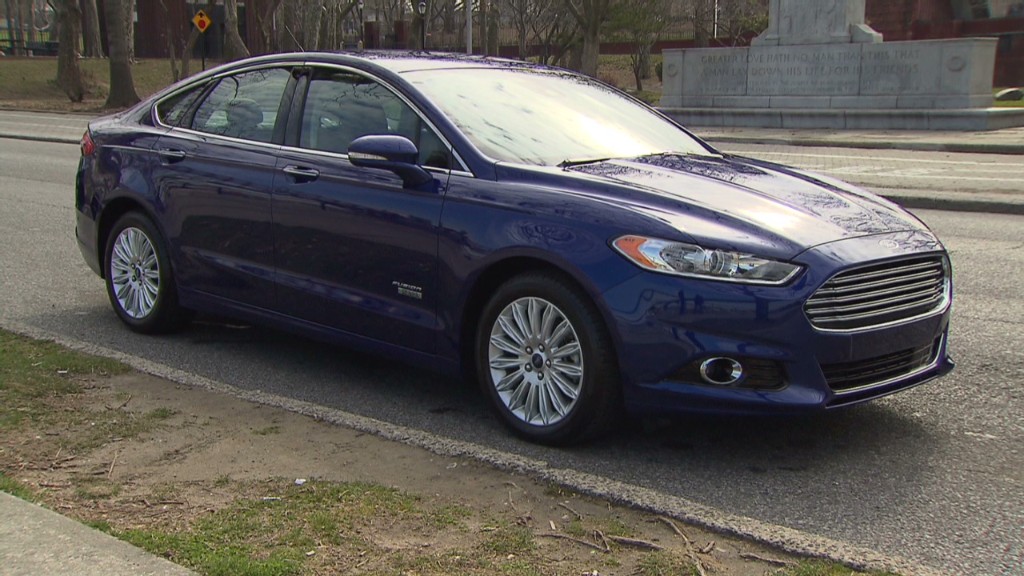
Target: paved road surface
933	474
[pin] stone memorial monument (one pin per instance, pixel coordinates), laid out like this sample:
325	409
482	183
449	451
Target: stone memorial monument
819	65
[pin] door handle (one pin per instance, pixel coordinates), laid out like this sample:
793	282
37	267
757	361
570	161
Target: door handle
171	155
302	174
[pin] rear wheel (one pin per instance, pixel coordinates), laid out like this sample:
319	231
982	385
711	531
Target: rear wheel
546	362
140	283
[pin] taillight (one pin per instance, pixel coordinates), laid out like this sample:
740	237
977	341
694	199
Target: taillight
88	146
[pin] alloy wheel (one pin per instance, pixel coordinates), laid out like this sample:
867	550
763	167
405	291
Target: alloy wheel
536	361
135	273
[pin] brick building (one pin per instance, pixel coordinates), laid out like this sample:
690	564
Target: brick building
930	19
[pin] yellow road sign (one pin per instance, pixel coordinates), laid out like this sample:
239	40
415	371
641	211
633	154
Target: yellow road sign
202	21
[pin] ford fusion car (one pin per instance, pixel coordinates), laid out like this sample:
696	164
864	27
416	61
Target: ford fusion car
579	254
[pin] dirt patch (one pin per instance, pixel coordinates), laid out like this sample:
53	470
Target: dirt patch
174	460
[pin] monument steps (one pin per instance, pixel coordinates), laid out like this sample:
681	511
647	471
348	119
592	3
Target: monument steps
973	119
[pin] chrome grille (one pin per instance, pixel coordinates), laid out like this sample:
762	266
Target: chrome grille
849	376
879	294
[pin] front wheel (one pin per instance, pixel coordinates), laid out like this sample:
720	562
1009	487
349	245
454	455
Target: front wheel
546	361
140	283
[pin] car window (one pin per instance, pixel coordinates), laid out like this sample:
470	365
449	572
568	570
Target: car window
172	110
548	117
342	106
244	105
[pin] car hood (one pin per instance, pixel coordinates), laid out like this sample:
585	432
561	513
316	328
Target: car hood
804	209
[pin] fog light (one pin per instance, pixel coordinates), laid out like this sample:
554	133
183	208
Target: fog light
721	371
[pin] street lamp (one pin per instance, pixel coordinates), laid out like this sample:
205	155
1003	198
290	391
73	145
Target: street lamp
422	9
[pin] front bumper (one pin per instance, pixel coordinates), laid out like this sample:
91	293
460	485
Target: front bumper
665	326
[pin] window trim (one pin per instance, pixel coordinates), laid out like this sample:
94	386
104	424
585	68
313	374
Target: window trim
312	67
212	81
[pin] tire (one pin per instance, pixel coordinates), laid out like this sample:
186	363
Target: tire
140	282
545	360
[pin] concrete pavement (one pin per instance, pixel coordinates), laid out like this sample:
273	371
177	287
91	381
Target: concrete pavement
1005	141
35	541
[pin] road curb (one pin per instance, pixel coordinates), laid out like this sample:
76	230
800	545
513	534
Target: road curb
780	537
954	204
32	138
954	147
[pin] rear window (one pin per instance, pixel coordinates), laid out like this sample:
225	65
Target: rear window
171	111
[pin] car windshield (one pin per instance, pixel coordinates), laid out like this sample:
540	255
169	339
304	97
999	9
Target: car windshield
548	117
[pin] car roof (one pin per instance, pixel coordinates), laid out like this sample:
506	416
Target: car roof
400	62
397	62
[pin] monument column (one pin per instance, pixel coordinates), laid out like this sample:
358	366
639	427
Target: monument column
796	22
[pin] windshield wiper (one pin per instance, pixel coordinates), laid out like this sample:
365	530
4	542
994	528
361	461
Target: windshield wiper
570	163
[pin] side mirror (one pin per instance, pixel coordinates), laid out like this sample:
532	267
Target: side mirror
395	153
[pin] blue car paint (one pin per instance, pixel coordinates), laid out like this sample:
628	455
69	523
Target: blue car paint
444	242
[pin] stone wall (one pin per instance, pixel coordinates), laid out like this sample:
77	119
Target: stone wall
942	74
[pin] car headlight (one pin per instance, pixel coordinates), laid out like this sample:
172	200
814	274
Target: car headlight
684	259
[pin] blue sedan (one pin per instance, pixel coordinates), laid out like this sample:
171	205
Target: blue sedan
573	250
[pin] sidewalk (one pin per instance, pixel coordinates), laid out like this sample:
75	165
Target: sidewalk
35	541
1005	141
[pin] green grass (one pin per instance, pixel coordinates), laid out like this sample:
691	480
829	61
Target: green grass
509	539
15	488
1009	103
272	537
32	81
34	373
821	568
662	564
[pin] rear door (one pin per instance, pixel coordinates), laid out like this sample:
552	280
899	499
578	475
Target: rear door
218	166
356	250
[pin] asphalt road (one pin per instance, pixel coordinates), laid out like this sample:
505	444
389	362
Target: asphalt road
933	474
889	169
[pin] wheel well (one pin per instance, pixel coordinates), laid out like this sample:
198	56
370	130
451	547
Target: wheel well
112	212
485	285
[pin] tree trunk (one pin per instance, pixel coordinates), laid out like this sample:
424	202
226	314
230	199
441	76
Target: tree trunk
310	22
591	48
266	19
483	27
19	27
234	47
91	43
701	23
69	76
31	23
186	52
129	19
172	50
122	87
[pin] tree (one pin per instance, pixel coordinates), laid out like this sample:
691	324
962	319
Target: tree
726	22
265	21
703	16
739	19
640	23
590	15
234	47
92	47
129	26
122	86
69	76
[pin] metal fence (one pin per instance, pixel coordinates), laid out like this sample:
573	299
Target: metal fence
30	31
